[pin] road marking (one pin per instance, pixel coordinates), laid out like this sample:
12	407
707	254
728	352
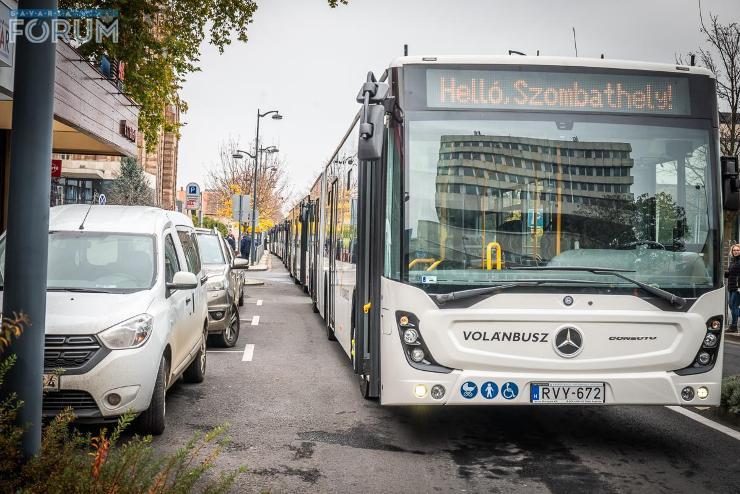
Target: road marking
255	320
709	423
248	353
224	351
259	302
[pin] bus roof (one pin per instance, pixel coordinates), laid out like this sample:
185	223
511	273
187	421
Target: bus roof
548	61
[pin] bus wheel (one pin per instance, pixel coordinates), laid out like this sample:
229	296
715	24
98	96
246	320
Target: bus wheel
330	333
364	387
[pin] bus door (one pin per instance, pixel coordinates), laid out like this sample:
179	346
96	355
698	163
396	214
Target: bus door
305	222
333	248
371	193
314	249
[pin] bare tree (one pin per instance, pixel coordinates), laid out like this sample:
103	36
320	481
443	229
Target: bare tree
722	57
234	176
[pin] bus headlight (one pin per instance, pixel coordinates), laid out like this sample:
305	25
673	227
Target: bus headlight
420	390
438	391
702	393
410	336
707	354
710	340
416	351
417	355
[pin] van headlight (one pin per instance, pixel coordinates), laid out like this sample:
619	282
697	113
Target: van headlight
131	333
216	283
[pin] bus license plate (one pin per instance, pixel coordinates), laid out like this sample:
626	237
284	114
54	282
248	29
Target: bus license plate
566	393
51	382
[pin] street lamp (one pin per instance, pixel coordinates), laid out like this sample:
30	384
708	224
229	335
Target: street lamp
275	116
239	154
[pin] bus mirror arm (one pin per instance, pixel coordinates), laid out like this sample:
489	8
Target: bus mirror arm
372	96
730	183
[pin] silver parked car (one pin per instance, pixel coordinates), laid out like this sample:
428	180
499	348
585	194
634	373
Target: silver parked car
225	286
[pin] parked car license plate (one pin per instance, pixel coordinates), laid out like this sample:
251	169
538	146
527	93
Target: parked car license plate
583	393
51	382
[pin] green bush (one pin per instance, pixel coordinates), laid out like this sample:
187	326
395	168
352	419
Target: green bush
209	223
70	461
731	394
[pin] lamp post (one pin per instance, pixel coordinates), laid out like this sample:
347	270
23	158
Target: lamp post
275	116
238	154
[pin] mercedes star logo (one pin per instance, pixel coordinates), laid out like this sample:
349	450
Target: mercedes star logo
568	342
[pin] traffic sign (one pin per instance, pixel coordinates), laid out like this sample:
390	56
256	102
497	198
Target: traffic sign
102	199
241	215
192	196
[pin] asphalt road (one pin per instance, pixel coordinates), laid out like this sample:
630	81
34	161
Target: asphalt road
298	424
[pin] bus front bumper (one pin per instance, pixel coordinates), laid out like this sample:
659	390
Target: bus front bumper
471	388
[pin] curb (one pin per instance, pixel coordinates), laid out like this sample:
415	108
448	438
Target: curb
253	282
733	337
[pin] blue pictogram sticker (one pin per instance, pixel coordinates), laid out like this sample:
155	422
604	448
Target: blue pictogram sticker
468	390
489	390
509	390
534	392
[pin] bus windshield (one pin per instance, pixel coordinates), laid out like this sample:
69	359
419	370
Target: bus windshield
492	191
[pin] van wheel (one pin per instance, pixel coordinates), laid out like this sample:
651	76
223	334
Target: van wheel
228	338
196	371
151	421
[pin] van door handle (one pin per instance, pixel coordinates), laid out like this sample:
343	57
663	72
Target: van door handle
187	300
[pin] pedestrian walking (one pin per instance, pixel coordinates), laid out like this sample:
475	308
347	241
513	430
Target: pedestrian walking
733	287
244	246
232	242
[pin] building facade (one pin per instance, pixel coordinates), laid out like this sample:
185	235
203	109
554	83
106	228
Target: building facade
92	118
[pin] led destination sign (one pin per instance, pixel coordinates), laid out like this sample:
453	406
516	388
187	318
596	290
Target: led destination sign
557	91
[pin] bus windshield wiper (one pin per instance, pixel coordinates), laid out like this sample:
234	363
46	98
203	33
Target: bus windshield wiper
658	292
443	298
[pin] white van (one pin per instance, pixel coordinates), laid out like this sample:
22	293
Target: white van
126	311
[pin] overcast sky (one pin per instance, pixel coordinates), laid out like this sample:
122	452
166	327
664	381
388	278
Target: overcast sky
309	61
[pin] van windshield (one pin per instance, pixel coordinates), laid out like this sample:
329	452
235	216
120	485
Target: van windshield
93	261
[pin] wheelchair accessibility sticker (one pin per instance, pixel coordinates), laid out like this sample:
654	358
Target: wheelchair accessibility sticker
468	390
509	390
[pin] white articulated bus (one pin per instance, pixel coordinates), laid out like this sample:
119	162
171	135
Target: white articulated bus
527	230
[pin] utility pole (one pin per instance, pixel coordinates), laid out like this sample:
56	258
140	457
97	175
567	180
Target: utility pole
252	250
28	216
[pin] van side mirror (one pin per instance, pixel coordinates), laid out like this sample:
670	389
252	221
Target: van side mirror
183	280
730	183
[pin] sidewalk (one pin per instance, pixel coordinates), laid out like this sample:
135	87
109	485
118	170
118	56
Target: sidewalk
264	264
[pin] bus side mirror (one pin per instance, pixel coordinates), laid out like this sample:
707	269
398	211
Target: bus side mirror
370	145
730	183
372	118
